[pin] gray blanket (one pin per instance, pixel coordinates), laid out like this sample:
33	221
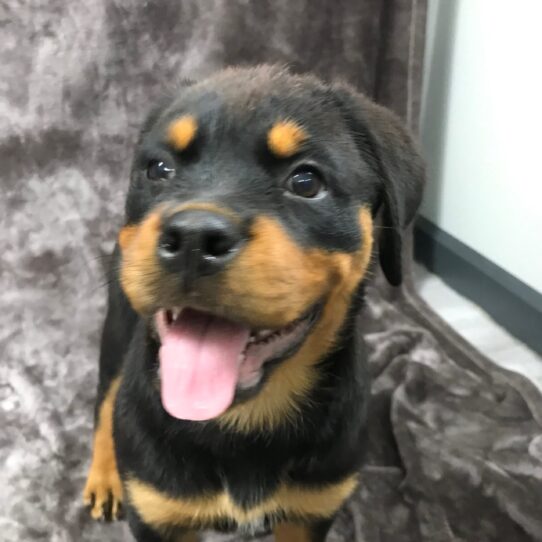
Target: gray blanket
455	442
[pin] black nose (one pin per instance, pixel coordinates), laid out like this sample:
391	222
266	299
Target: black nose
197	242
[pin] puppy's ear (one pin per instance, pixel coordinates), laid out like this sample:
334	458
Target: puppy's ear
387	146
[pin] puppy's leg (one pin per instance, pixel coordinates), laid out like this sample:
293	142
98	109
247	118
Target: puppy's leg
298	532
103	489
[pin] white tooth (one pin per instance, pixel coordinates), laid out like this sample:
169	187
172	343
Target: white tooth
175	313
241	358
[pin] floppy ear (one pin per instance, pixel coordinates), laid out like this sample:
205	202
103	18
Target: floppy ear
387	146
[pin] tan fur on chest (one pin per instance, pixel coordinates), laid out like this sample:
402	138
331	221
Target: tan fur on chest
161	510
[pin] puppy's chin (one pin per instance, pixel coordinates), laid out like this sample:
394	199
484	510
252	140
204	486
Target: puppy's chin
208	361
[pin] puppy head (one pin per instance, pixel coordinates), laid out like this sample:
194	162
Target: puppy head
249	229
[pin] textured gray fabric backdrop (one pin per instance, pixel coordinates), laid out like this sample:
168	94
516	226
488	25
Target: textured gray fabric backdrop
456	443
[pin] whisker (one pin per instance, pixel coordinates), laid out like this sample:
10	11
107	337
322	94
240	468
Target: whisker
386	228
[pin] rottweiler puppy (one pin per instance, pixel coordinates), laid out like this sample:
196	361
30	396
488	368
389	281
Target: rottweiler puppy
233	381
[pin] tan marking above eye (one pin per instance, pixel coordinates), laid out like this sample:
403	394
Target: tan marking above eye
285	138
182	132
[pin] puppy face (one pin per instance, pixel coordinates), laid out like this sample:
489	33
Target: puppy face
249	227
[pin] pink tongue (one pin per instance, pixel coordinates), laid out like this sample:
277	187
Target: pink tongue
199	365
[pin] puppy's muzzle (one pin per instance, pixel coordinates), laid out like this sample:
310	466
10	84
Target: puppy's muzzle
196	243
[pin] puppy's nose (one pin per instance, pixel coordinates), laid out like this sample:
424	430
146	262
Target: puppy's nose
197	242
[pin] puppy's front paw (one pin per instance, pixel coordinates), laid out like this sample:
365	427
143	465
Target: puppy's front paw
103	492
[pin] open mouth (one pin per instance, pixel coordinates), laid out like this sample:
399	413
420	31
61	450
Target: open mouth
205	359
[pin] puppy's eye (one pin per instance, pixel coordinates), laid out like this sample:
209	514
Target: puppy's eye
157	170
305	183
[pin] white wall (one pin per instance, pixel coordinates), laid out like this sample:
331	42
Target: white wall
482	129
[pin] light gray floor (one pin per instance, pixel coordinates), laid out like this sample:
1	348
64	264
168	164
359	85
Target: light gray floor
477	327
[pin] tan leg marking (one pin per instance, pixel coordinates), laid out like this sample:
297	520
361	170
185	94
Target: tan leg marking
103	484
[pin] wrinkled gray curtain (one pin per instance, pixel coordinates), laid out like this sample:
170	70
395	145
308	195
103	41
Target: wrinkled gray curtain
455	443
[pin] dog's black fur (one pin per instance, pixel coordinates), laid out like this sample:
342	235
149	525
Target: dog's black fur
366	159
